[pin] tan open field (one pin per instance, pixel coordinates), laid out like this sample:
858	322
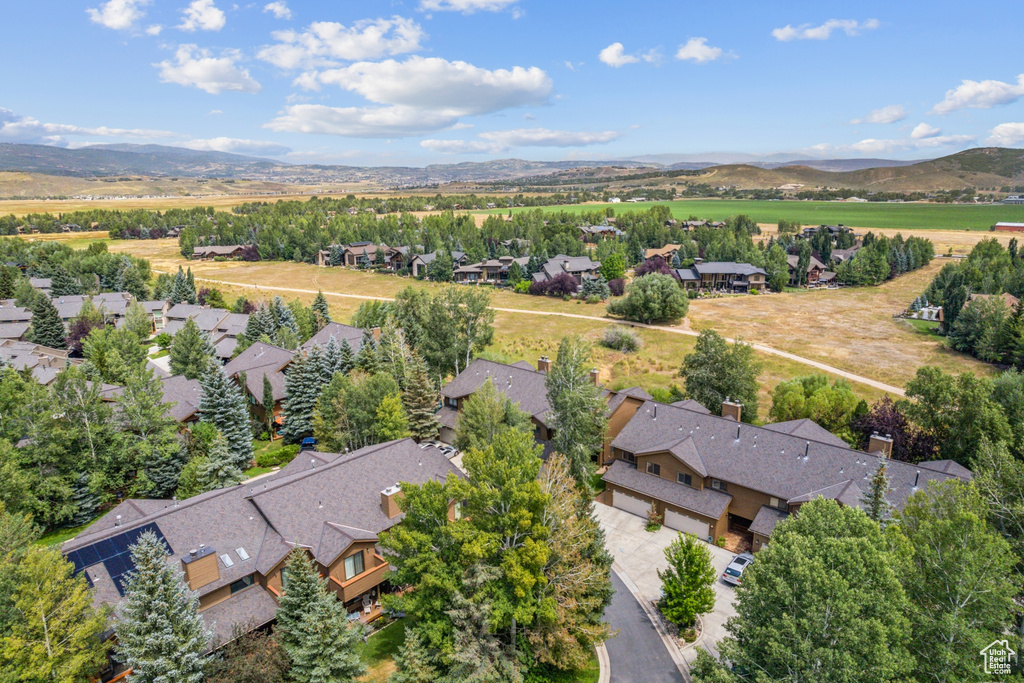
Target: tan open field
850	329
962	241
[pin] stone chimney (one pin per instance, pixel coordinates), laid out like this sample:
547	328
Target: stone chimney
595	375
544	364
375	331
389	501
733	409
880	444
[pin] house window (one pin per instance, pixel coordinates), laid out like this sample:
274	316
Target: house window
457	513
353	566
284	579
452	402
684	479
241	584
629	457
719	485
776	503
653	468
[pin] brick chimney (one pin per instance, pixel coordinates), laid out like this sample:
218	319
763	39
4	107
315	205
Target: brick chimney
389	501
880	444
733	409
595	375
544	364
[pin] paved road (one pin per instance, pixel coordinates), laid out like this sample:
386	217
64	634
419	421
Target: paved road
674	330
637	653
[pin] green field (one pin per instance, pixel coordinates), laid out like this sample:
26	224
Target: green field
858	215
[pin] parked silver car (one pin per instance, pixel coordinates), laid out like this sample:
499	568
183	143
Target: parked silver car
734	572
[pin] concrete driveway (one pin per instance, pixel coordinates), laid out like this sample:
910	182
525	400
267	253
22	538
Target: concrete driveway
637	653
639	555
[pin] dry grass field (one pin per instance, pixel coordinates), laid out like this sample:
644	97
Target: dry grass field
961	241
851	329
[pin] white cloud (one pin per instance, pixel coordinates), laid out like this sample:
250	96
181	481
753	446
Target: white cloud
872	146
923	130
980	95
615	56
237	146
440	85
202	15
198	68
215	112
850	27
1007	135
279	8
154	30
324	43
17	128
119	15
465	6
360	122
890	114
496	142
698	50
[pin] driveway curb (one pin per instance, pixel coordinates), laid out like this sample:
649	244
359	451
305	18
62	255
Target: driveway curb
604	663
670	643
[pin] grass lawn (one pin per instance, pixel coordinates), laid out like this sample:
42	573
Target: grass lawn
378	651
58	536
926	327
161	353
867	215
256	471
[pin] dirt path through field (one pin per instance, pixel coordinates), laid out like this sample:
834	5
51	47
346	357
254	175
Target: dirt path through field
882	386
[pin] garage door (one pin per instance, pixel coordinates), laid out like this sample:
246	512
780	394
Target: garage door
630	504
689	525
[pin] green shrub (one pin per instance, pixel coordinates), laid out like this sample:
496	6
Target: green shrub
721	542
622	339
276	458
521	287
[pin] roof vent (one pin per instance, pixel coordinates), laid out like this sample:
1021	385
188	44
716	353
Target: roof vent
117	521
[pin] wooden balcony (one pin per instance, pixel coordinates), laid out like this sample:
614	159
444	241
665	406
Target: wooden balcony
361	583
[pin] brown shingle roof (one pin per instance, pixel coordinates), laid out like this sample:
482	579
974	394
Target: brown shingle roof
706	501
522	386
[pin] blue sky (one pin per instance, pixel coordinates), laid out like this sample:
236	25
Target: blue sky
444	81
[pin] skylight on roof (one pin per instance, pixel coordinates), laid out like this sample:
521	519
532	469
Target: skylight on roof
228	562
242	554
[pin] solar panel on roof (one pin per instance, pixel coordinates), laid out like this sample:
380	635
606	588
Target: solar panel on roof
115	554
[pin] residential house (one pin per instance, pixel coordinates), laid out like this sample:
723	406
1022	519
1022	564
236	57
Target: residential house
817	272
221	325
362	254
43	362
158	312
212	252
250	367
41	284
353	335
418	264
667	252
708	474
580	267
722	276
396	258
841	256
11	313
595	233
232	544
183	395
834	230
113	306
14	331
1009	300
489	271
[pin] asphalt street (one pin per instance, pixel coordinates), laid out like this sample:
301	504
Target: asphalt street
637	653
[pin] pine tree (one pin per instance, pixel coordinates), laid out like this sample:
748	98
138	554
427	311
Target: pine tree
268	404
218	470
346	361
576	407
47	328
875	502
160	634
302	386
283	317
192	353
8	281
182	291
331	362
414	664
85	501
421	400
391	422
478	655
223	406
321	311
367	359
316	633
53	632
63	283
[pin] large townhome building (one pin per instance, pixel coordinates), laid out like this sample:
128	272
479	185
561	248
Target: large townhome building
43	362
228	251
232	543
222	325
710	475
15	321
818	273
418	264
491	271
722	276
250	367
579	267
41	284
113	305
